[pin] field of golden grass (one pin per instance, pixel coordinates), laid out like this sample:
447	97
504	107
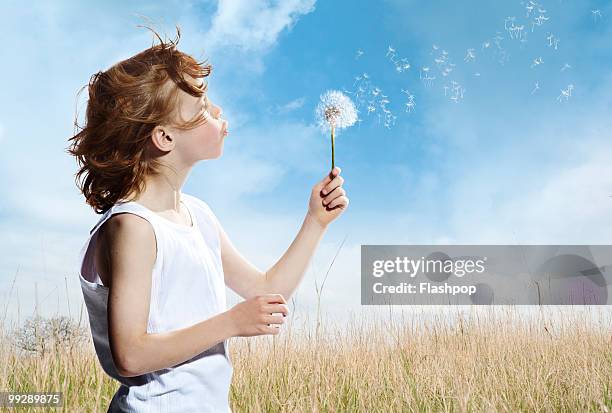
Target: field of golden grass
478	363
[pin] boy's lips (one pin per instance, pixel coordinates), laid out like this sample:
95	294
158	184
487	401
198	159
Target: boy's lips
224	131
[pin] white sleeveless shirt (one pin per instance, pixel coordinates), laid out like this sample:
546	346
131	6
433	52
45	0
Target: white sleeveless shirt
187	286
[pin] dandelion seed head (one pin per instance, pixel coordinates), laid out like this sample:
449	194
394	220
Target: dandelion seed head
335	109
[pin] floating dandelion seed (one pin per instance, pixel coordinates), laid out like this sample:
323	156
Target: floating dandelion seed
553	41
410	104
596	14
470	56
537	61
538	21
335	110
529	8
567	93
425	77
457	91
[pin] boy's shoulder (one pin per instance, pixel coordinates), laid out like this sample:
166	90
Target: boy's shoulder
198	202
209	223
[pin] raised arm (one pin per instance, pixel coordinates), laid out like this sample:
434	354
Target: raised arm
130	242
327	201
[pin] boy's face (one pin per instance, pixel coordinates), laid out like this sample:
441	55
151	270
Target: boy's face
204	141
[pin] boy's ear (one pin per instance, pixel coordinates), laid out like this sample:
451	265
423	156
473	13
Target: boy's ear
161	139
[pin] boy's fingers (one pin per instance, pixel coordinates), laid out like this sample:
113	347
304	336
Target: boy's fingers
328	188
277	308
331	175
276	299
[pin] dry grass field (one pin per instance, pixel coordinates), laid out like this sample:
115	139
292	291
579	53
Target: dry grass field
478	363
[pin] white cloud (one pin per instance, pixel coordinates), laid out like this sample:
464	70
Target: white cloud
254	25
569	205
238	34
289	106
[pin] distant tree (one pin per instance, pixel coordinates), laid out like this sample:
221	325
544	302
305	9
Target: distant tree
39	334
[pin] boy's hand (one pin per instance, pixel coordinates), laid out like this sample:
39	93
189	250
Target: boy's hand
262	314
328	199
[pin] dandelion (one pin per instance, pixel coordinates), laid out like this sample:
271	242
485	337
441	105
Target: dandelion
335	110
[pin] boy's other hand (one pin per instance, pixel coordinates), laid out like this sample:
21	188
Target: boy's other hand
328	199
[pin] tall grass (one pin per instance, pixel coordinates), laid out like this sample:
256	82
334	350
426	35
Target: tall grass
477	364
481	363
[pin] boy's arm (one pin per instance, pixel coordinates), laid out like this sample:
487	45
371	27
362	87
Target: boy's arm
328	201
130	243
247	280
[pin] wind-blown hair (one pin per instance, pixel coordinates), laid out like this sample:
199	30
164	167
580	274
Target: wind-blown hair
125	104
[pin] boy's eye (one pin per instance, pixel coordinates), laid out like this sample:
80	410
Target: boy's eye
205	106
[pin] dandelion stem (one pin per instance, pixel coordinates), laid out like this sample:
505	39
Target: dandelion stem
332	141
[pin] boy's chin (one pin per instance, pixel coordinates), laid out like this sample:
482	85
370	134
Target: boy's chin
213	155
219	152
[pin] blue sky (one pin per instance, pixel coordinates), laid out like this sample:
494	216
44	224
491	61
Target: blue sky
504	164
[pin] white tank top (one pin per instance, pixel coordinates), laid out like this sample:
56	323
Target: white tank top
187	286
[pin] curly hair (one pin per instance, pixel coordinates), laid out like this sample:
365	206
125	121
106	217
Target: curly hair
126	102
